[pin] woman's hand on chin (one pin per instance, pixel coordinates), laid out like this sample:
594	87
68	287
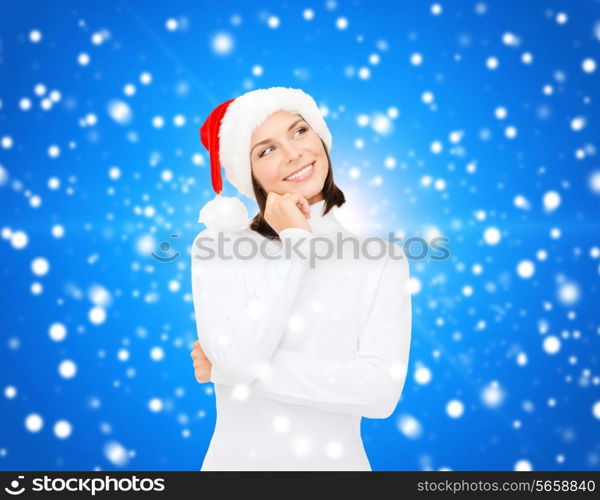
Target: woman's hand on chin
283	211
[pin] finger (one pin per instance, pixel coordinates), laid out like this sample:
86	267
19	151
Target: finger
298	198
306	209
302	204
282	199
292	198
305	204
272	198
200	363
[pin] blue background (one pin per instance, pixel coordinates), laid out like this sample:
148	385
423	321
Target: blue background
480	329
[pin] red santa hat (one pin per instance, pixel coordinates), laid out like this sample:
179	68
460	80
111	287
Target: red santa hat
227	134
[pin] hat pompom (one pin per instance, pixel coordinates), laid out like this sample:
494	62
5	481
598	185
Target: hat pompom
224	214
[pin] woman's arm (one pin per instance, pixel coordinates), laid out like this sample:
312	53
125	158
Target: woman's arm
238	330
369	385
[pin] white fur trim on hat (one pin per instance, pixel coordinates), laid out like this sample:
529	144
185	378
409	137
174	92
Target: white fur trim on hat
224	214
246	113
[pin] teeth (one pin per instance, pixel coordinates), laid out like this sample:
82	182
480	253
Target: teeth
301	173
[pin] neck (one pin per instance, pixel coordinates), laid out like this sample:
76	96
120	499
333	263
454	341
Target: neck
319	223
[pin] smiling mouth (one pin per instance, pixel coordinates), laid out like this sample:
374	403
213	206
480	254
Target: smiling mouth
301	174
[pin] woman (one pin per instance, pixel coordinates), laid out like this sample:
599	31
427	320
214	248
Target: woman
299	347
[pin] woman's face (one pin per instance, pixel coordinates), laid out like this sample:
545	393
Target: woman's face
290	146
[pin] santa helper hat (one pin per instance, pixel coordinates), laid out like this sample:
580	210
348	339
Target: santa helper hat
227	134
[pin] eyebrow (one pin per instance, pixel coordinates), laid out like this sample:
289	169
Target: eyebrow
269	140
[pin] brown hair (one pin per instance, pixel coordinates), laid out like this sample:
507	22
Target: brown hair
332	194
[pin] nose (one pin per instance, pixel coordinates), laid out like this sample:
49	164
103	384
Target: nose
291	154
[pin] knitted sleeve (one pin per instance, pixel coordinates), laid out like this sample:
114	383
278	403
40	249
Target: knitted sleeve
238	328
370	385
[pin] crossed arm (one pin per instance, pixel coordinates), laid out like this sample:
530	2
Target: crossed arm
369	385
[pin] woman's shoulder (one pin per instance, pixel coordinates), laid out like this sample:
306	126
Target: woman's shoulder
216	234
226	244
211	238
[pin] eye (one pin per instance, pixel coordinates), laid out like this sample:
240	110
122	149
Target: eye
301	129
263	152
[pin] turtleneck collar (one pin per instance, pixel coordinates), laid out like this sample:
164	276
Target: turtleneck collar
322	224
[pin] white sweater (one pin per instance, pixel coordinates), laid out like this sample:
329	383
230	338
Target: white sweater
300	351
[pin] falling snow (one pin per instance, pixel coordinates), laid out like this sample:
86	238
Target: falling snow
101	167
